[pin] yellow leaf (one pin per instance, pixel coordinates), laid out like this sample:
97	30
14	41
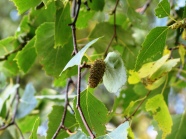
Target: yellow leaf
133	77
156	83
145	70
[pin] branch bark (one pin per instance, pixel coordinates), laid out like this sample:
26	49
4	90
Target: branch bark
114	36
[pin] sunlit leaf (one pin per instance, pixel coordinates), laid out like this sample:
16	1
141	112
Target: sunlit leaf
27	102
161	114
163	9
54	119
92	108
23	5
165	68
76	60
150	68
145	70
155	84
152	47
121	132
133	77
115	75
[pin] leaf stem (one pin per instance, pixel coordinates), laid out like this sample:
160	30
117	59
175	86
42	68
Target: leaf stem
114	34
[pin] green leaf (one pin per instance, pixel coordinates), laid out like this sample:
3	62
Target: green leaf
6	46
129	10
27	102
163	9
121	132
34	130
83	18
26	124
130	134
124	37
78	135
24	27
3	109
62	30
178	128
52	59
38	17
76	60
96	5
11	66
182	52
115	75
184	13
95	113
23	5
54	120
160	113
152	47
46	2
26	57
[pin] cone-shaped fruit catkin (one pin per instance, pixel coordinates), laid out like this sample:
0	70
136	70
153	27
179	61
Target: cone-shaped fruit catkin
96	73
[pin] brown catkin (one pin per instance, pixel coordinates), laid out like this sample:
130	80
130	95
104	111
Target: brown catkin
96	73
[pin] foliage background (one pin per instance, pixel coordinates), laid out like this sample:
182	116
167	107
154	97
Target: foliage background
41	88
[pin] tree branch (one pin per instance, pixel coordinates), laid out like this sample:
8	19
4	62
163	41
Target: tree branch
128	118
61	125
114	35
14	51
75	51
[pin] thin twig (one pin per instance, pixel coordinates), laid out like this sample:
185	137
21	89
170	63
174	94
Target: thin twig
61	125
75	51
78	104
77	12
19	130
128	118
114	34
14	51
144	8
16	98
